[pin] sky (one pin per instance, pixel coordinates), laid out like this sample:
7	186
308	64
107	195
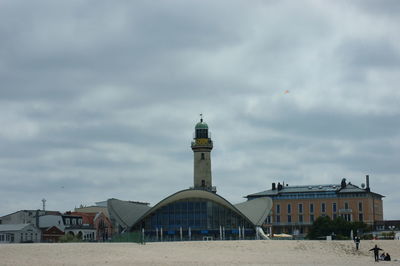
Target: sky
99	99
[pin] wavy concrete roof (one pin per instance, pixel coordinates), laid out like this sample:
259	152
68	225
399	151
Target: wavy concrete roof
126	213
255	210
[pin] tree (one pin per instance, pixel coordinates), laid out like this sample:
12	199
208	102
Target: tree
321	227
324	226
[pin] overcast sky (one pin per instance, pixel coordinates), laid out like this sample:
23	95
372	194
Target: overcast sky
99	99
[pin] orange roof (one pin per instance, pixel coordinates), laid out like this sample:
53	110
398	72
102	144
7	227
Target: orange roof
87	217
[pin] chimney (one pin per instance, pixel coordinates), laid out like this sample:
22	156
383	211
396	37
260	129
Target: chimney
367	182
273	186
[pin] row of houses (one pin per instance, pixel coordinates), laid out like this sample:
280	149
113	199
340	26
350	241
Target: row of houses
31	226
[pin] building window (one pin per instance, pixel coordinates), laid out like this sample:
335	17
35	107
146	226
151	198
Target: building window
346	205
278	219
74	221
300	207
334	208
347	217
278	208
311	207
202	156
67	221
268	219
334	216
289	218
289	208
80	221
311	218
323	207
300	218
360	206
361	217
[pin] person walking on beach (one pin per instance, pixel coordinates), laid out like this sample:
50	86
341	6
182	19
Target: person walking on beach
357	241
376	252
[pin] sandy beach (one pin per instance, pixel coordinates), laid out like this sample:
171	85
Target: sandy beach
283	252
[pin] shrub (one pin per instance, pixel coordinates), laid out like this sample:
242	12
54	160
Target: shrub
69	238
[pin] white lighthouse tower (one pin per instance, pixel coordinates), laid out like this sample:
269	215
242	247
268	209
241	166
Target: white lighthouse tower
202	146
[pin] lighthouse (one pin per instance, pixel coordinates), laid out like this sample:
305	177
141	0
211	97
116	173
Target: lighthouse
202	146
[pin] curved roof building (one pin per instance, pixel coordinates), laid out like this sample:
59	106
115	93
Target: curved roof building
195	213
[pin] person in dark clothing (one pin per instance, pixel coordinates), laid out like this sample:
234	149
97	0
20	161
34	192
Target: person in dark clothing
376	252
387	257
357	241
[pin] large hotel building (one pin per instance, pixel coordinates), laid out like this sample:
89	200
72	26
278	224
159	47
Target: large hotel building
295	208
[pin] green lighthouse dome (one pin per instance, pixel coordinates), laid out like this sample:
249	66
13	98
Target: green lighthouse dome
201	125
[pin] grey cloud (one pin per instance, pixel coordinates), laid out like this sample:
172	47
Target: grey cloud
386	8
364	53
101	98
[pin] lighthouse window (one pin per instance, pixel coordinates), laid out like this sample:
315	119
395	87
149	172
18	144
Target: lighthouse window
201	133
202	156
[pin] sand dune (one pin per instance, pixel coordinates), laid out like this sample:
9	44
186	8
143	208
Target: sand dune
283	252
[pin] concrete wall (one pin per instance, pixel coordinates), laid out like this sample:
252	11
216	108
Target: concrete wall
20	217
202	168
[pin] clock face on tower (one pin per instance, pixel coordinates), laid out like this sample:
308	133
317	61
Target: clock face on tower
202	141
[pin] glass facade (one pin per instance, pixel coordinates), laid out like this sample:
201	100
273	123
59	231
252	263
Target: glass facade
202	216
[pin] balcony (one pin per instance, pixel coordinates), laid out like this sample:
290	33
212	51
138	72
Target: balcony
345	210
198	143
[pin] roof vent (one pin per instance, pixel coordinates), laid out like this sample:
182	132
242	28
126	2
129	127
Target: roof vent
320	187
